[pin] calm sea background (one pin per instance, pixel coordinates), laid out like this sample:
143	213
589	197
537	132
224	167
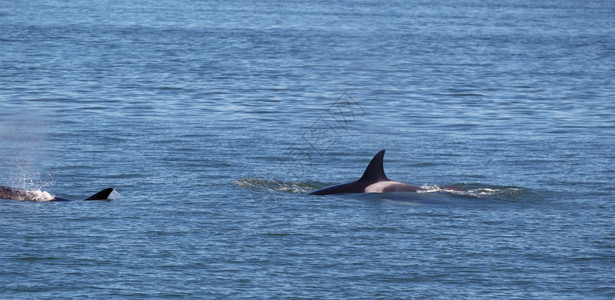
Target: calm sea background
213	120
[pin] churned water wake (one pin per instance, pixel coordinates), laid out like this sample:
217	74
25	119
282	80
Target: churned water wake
475	190
274	185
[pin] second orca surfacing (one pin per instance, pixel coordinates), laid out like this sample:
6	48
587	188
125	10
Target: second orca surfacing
374	181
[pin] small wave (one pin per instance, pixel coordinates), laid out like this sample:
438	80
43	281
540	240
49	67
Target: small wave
426	188
273	185
482	192
432	189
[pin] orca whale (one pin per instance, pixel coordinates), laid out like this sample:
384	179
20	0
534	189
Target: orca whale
374	181
21	194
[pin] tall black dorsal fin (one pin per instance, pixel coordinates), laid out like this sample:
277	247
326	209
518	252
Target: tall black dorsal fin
375	170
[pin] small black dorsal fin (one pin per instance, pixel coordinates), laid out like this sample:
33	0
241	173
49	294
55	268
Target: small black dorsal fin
375	170
102	195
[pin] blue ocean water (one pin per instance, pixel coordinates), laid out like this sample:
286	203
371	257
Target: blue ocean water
214	120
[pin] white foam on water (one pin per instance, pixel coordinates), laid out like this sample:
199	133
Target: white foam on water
38	195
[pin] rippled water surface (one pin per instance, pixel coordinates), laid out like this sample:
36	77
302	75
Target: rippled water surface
213	121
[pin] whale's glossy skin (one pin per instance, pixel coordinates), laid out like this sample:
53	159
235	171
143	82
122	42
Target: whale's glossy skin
373	181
